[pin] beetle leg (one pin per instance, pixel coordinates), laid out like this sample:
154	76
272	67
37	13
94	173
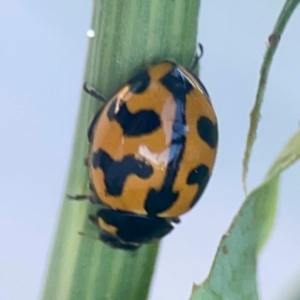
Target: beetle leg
175	220
93	93
91	187
196	59
92	198
94	237
78	197
94	220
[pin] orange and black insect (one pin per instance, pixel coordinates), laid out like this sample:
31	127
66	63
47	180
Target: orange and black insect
153	147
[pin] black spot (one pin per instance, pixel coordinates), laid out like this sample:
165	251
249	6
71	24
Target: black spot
116	172
200	176
177	83
134	124
160	200
133	228
139	83
208	131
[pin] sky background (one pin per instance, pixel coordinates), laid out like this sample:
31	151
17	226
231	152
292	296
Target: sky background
42	57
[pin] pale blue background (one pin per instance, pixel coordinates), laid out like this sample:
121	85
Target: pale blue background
42	55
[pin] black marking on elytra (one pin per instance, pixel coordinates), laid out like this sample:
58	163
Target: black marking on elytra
160	200
133	124
177	83
132	228
139	83
116	172
199	176
208	131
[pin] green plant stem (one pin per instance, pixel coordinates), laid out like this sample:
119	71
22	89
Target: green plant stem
274	38
128	36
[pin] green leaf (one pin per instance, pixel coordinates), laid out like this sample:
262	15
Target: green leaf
255	115
233	274
128	36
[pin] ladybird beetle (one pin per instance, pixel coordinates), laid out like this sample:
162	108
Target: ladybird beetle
153	147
